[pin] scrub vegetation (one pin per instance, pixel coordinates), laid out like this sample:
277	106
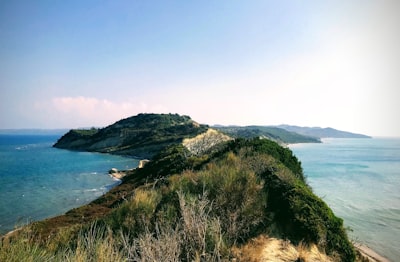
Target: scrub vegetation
182	206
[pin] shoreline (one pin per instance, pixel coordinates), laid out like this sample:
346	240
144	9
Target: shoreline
369	253
120	174
364	250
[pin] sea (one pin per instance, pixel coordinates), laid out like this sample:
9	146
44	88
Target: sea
38	181
360	180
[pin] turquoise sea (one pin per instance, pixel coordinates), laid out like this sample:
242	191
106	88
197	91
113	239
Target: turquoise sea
38	181
360	180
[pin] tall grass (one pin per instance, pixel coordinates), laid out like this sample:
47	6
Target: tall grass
200	215
23	248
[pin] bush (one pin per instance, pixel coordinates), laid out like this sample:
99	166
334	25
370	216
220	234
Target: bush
135	215
305	217
196	208
23	248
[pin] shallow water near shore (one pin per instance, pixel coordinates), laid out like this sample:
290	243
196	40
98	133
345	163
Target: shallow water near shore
360	180
38	181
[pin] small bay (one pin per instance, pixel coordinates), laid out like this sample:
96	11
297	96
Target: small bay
38	181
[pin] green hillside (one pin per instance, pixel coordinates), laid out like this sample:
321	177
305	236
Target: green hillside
193	207
141	136
279	135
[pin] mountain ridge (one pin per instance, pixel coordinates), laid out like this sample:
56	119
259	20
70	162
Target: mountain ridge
319	132
144	135
276	134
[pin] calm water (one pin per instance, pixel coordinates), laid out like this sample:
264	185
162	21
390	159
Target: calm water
38	181
360	181
358	178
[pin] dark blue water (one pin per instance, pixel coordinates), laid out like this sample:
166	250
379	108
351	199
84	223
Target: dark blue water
38	181
360	181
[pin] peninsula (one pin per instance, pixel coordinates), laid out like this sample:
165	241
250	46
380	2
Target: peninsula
202	196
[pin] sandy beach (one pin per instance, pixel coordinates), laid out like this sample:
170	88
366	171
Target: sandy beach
370	254
118	175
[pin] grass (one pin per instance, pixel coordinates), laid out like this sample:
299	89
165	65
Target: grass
212	207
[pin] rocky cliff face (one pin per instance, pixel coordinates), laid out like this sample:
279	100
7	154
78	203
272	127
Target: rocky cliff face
142	136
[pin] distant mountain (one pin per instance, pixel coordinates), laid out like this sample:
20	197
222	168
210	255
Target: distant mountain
322	132
273	133
143	135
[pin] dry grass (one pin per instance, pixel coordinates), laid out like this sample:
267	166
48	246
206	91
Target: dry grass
264	249
311	253
97	245
218	213
164	245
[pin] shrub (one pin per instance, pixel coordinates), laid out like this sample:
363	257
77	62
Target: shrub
23	248
196	208
135	215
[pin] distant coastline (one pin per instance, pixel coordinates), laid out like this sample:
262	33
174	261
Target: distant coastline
320	132
33	131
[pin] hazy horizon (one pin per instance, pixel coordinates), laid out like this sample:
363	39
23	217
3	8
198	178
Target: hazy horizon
63	130
306	63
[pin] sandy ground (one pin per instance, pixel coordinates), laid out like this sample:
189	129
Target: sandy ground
118	175
370	254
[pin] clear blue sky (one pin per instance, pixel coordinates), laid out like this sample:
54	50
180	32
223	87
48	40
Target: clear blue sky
68	64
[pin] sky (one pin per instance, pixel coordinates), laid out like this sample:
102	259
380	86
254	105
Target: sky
70	64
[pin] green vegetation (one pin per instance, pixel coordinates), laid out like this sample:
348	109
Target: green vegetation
85	132
277	134
145	135
142	136
186	207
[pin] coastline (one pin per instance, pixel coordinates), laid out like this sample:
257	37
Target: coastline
346	180
119	175
364	250
369	253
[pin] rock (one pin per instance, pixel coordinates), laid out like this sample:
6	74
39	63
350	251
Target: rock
143	162
113	171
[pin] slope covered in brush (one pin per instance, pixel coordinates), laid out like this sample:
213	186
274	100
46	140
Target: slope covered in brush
277	134
142	136
207	206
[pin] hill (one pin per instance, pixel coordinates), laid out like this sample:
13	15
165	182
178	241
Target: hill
141	136
322	132
277	134
207	198
145	135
